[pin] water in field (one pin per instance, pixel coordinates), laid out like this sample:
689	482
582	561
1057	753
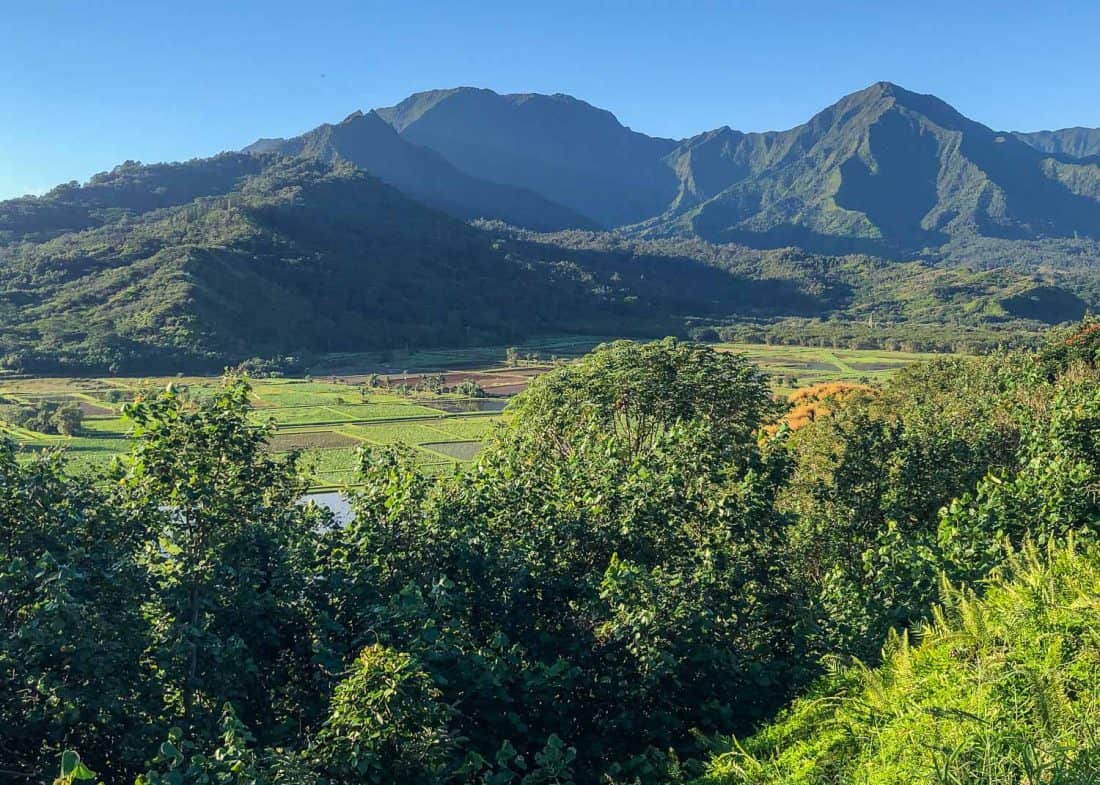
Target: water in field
331	500
469	405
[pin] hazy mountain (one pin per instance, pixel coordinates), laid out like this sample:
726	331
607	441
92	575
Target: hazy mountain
563	148
367	141
883	170
1077	142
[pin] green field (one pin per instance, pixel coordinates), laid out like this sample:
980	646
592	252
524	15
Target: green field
792	367
326	420
329	419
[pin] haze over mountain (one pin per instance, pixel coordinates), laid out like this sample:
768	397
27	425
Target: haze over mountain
367	141
563	148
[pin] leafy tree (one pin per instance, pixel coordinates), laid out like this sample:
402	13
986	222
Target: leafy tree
230	558
636	391
71	628
234	762
386	724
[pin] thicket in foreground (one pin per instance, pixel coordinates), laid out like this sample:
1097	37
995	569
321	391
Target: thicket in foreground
637	567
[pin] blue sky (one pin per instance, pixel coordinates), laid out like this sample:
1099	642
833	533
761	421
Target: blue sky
89	83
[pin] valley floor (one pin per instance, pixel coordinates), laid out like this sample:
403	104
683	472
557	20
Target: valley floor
328	418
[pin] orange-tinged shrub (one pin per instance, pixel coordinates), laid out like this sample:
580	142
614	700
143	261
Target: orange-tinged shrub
809	403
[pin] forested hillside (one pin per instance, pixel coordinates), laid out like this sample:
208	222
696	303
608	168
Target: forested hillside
193	266
646	565
462	217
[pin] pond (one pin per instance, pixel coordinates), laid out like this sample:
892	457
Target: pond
331	500
468	405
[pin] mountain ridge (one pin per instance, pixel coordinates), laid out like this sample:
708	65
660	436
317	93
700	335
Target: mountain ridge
366	140
884	170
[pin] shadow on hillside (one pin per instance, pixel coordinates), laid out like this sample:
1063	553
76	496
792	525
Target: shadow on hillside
679	285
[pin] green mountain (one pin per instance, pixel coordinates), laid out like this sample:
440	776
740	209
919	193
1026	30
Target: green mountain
565	149
208	262
367	141
196	264
888	207
1076	142
882	171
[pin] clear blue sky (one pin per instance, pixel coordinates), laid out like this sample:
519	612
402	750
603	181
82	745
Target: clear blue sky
89	83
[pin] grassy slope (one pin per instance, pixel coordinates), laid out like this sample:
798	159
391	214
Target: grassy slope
1003	689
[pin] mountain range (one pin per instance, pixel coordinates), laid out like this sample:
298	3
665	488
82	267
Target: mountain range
884	171
462	217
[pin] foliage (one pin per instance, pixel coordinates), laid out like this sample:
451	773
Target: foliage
642	565
386	723
45	417
634	391
1001	689
226	559
72	632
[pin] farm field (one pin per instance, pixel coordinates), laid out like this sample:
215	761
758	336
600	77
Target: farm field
328	419
794	367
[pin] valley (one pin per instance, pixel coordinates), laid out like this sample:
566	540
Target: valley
329	416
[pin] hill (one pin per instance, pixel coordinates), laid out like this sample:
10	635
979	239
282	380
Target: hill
147	268
194	265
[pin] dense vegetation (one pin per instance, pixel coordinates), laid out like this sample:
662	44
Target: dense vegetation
1001	689
141	270
646	559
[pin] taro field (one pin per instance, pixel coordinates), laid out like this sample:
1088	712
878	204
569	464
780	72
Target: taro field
795	367
327	419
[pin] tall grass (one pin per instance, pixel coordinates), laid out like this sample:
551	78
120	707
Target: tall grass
999	690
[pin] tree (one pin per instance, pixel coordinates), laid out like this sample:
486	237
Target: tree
71	628
69	417
386	724
635	392
229	556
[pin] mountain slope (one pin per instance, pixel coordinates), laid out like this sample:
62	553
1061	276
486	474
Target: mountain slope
1076	142
883	171
300	256
367	141
563	148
